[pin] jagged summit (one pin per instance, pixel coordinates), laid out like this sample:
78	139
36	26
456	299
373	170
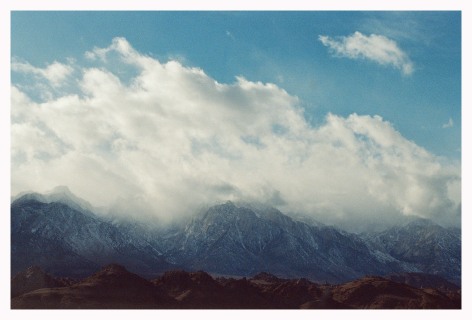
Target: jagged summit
60	190
64	195
61	194
226	239
115	276
420	222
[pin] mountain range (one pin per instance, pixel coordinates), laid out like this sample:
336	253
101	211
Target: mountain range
114	287
62	234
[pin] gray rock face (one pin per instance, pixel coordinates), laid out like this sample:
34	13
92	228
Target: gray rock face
227	239
66	241
240	241
427	247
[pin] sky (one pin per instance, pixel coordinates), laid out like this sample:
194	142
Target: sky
345	116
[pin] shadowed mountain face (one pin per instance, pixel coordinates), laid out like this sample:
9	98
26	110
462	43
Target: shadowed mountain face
426	246
113	287
240	241
66	239
198	290
424	280
381	293
33	278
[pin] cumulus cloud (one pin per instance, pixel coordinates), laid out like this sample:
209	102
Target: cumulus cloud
55	73
373	47
172	139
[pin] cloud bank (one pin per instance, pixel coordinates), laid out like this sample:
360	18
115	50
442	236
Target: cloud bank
374	47
55	73
171	138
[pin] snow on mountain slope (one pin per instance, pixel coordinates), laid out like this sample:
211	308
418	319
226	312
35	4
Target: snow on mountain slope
58	232
66	240
236	240
426	246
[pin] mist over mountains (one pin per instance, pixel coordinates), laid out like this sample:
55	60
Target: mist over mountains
315	153
193	140
59	233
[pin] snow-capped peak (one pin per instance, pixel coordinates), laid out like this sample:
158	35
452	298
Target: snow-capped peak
61	194
60	190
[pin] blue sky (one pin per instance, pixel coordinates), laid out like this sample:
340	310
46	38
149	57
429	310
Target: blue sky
284	48
353	118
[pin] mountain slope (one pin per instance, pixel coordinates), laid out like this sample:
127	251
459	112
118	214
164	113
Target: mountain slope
32	279
240	241
381	293
63	240
425	280
227	239
114	287
428	247
60	194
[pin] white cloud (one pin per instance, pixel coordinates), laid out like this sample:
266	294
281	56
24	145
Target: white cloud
175	139
373	47
119	45
448	124
55	73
